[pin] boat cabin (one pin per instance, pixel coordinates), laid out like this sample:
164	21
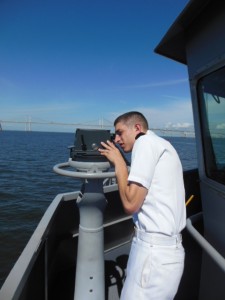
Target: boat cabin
197	40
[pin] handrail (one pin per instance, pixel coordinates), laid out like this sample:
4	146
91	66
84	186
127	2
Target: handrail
213	253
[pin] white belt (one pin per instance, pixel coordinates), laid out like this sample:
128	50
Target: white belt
158	239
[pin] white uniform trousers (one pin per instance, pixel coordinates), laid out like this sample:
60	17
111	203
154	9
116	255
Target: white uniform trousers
155	267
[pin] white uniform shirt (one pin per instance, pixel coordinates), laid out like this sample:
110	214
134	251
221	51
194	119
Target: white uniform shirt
156	166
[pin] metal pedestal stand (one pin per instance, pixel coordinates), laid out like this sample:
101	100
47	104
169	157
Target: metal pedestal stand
90	277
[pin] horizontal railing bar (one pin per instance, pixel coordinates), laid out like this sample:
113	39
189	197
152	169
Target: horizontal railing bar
208	248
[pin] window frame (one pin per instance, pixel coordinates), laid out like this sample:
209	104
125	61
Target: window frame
213	169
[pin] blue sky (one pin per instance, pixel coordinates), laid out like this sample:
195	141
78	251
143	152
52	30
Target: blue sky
71	61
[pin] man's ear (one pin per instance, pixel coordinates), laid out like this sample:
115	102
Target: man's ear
138	127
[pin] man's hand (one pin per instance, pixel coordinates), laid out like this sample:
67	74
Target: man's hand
111	152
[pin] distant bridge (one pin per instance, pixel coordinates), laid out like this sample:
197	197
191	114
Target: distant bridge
28	124
55	123
28	127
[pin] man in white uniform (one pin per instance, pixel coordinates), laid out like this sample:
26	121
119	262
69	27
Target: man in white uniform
153	192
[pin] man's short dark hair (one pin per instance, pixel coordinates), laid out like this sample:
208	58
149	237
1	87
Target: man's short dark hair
132	117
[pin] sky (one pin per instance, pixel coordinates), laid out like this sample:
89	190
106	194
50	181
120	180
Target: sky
87	62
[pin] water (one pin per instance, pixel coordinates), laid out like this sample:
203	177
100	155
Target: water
28	183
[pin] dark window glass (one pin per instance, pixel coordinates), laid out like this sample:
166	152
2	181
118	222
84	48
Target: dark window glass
211	90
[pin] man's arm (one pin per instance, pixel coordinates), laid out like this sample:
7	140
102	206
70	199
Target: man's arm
132	194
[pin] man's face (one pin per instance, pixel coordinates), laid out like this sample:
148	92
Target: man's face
125	136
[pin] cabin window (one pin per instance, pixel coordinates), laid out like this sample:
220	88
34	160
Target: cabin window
211	89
